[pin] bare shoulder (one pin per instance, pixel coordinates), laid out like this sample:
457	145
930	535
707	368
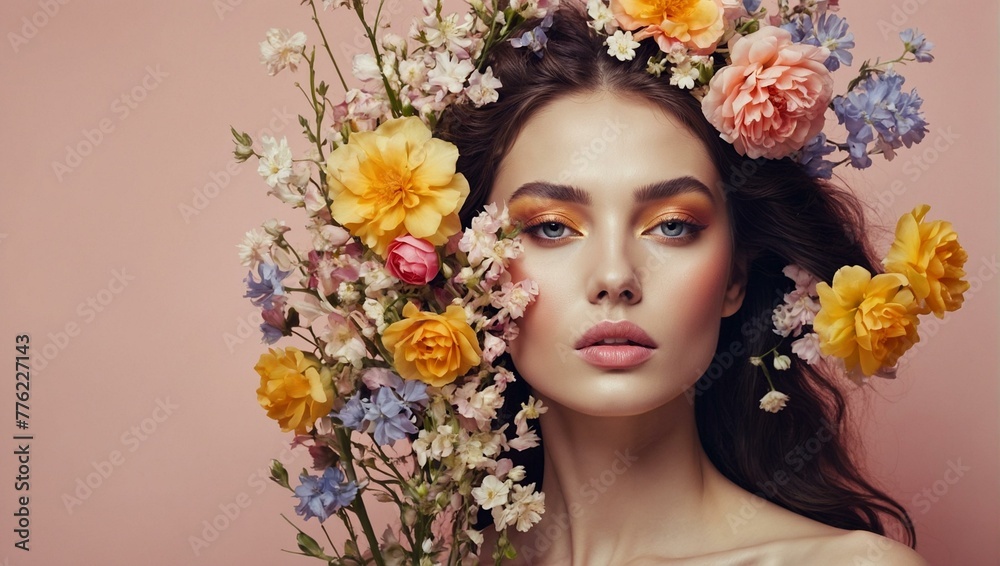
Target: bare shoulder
864	548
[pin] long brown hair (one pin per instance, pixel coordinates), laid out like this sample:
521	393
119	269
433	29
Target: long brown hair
798	458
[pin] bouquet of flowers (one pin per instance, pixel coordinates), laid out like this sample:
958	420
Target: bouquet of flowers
401	318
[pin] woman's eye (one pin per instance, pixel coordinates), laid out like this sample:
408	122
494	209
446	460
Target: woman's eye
676	229
550	230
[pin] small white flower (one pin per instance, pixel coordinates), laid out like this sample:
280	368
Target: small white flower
774	401
602	19
655	66
255	248
684	75
281	49
365	68
483	87
276	162
475	536
782	362
491	493
621	45
450	73
756	361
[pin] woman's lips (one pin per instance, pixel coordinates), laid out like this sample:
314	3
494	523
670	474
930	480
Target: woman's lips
615	356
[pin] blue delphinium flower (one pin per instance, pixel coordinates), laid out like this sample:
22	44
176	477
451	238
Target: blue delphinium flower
751	5
916	43
831	32
323	496
390	417
801	28
878	110
535	38
270	333
811	156
413	394
352	415
262	292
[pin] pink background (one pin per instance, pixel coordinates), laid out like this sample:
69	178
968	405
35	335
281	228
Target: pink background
152	384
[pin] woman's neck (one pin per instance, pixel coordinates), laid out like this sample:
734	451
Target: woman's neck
642	478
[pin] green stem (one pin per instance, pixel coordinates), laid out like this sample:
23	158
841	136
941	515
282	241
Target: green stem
326	44
347	458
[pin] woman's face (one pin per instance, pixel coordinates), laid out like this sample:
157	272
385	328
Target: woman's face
624	221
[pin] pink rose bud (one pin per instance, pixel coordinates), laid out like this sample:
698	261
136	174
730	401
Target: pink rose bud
412	260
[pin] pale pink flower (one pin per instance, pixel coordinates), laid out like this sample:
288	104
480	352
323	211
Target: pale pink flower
365	68
807	348
771	100
483	87
276	162
804	281
412	260
255	248
516	297
281	49
450	73
774	401
525	441
493	347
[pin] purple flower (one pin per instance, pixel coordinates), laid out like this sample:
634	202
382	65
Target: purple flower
830	32
877	110
751	5
323	496
353	414
413	394
536	38
811	156
916	43
390	417
261	293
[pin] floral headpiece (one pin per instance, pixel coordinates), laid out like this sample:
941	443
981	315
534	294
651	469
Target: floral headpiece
402	319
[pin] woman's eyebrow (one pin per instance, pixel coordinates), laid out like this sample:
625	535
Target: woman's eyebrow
653	191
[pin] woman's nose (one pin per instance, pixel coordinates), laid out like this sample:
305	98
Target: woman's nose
614	277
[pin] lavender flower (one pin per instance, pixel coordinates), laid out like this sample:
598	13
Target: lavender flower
390	417
413	394
323	496
535	38
811	156
261	293
829	31
352	415
751	5
878	111
916	43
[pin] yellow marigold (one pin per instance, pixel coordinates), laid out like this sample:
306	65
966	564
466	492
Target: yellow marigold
929	255
866	320
395	181
433	348
295	388
698	24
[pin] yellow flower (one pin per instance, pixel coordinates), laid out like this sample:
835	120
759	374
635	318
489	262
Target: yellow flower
866	320
929	255
698	24
395	181
433	348
295	388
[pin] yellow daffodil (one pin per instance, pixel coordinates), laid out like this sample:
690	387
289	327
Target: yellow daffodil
394	181
864	320
433	348
929	255
295	388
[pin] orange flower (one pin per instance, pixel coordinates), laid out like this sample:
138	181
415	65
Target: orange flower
698	24
295	388
864	320
433	348
929	255
395	181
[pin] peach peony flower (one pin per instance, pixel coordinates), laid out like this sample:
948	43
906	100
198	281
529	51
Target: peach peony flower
866	320
433	348
698	24
295	388
394	181
929	255
771	100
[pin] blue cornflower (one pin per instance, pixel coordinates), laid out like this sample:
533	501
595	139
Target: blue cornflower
811	156
801	28
261	293
916	43
878	109
323	496
831	32
751	5
353	413
390	417
271	333
413	393
535	38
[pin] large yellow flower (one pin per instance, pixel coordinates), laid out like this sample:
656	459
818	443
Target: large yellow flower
698	24
929	255
295	388
395	181
433	348
866	320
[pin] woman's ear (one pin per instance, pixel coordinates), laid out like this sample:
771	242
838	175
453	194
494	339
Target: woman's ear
736	290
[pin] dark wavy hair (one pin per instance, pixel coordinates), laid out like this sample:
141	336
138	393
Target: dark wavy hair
799	458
